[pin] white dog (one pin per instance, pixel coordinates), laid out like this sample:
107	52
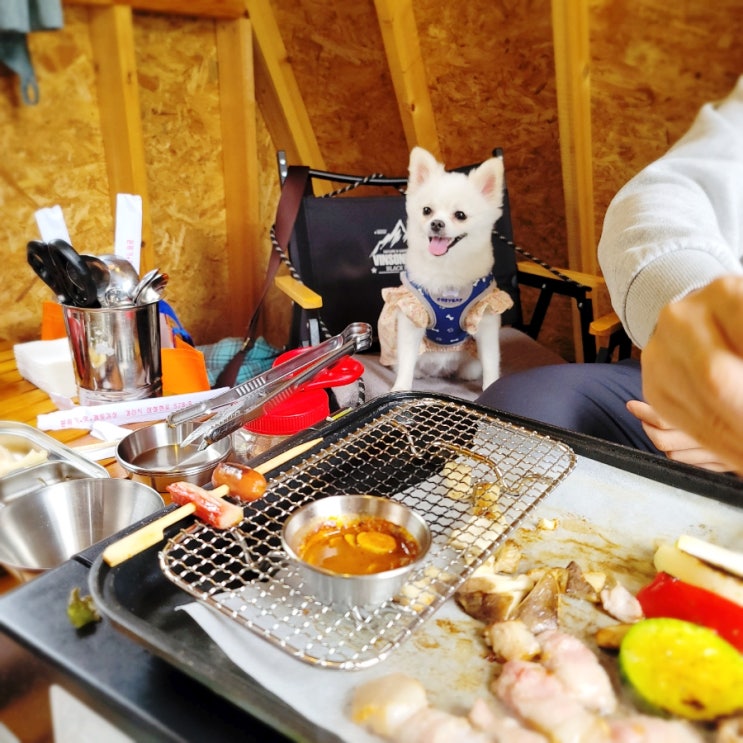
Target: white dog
444	320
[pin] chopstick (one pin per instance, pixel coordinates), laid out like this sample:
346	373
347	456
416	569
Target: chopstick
154	532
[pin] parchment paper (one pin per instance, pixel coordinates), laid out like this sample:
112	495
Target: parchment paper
604	518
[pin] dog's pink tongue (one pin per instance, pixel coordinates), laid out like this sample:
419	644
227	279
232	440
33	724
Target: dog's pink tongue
438	245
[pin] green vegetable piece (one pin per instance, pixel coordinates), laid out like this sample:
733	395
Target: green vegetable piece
682	668
81	610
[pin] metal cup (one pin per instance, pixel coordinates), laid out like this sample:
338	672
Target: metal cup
115	352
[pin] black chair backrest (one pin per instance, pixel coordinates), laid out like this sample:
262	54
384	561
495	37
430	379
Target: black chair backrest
348	248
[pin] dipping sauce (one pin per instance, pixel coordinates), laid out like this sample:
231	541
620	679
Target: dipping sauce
359	546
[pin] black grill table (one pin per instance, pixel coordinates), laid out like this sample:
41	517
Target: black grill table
156	675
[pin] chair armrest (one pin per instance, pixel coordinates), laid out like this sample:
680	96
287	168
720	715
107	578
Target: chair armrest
605	325
610	335
589	280
298	292
575	284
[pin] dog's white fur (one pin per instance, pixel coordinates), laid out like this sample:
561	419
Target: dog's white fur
463	208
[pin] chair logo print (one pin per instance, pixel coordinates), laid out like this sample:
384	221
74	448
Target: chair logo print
388	255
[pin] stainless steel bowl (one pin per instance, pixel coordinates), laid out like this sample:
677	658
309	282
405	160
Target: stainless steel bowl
344	591
152	455
43	529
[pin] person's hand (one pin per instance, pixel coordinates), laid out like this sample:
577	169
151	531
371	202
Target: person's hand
692	368
675	444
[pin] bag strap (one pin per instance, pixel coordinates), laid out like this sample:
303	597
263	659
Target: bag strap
290	200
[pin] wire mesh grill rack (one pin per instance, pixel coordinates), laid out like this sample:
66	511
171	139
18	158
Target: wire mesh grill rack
472	477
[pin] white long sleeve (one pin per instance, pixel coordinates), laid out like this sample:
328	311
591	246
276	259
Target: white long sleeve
678	224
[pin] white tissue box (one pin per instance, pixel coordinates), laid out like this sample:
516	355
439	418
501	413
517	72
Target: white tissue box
48	365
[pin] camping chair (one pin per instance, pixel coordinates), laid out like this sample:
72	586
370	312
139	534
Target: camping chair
344	250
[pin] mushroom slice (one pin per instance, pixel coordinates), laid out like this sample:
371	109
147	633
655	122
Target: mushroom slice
577	585
492	597
539	610
610	638
507	558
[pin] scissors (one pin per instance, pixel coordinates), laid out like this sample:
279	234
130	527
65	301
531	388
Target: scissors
64	271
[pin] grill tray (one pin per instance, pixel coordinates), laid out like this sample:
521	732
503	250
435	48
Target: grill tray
428	453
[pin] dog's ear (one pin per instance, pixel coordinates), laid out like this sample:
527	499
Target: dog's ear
422	166
488	178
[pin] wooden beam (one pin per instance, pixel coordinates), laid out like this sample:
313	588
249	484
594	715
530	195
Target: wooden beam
240	155
112	41
277	91
573	78
405	62
203	8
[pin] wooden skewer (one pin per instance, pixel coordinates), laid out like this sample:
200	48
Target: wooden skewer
154	532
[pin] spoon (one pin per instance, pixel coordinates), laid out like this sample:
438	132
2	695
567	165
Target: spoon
152	291
123	278
144	282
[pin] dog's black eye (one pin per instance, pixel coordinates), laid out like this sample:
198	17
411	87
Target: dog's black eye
427	211
460	216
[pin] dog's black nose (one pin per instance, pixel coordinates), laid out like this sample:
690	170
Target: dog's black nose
437	225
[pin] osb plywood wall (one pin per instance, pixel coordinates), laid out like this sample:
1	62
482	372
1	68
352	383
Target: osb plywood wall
490	72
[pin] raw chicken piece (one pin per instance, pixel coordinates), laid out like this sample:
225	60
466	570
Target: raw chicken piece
539	698
501	728
730	731
383	704
511	640
431	725
579	671
621	604
645	729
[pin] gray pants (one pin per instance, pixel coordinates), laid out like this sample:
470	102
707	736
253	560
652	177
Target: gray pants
586	398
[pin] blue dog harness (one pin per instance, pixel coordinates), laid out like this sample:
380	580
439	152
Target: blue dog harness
448	310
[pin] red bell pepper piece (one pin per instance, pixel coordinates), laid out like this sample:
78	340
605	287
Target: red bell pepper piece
667	596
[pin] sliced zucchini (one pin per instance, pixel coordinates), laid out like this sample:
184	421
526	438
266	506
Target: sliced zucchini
682	668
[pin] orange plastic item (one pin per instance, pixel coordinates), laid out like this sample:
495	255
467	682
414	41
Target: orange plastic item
184	369
52	321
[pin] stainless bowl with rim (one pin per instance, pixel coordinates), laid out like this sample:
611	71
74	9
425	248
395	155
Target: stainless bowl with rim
345	591
42	529
153	455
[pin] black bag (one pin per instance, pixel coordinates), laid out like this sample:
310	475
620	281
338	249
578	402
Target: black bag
347	249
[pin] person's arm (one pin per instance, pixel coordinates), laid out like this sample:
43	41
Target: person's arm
692	368
678	224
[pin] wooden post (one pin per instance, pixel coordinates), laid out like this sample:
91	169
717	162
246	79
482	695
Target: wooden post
112	41
400	37
240	156
573	80
277	90
573	76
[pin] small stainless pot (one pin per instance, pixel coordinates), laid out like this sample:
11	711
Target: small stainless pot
152	455
343	591
43	529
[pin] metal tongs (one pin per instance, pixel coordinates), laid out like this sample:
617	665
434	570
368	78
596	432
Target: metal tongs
249	400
